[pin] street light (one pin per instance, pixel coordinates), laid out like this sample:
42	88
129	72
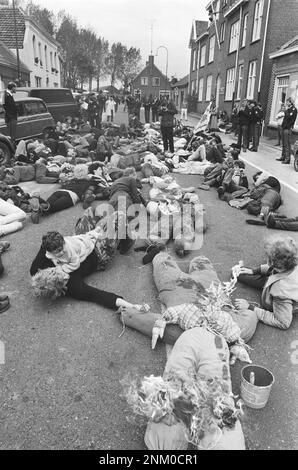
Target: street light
164	47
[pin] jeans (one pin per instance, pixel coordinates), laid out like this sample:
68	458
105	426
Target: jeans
243	135
270	201
255	129
11	218
59	201
286	144
167	137
290	224
76	286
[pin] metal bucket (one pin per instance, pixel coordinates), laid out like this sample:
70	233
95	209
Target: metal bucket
256	395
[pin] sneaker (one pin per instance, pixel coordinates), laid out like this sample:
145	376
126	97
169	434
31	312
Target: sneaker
151	253
4	306
4	246
220	191
256	222
205	187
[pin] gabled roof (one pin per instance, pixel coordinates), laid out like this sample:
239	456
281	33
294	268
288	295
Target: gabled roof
198	28
154	69
7	31
287	48
8	58
181	83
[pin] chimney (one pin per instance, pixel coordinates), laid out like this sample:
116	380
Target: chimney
151	60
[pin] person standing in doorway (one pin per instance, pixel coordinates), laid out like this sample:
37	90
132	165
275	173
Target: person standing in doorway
287	126
11	113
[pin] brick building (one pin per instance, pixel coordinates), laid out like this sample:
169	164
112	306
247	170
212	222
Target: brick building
38	50
230	54
151	81
284	83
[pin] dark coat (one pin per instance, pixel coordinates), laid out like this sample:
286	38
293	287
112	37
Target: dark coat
290	118
167	115
10	107
244	117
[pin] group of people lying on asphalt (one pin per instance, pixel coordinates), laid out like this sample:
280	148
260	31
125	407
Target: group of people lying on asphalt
207	328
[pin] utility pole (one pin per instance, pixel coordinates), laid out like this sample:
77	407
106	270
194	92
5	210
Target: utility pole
17	45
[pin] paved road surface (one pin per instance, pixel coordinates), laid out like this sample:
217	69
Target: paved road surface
59	387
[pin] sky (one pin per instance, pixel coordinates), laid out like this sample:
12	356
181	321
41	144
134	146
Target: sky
129	22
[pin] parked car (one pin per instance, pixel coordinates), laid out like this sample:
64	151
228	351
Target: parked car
34	120
295	150
60	101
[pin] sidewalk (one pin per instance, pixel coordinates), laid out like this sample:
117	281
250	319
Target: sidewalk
264	159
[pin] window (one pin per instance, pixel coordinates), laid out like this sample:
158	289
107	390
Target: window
222	32
211	49
208	87
51	60
38	81
234	36
280	94
252	71
155	81
240	82
46	57
244	34
201	86
144	81
55	60
230	84
256	33
32	108
34	47
40	54
193	87
196	59
203	56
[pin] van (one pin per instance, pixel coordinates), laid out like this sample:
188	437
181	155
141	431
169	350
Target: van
60	101
34	120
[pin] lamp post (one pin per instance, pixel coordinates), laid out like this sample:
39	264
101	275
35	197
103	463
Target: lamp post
16	38
164	47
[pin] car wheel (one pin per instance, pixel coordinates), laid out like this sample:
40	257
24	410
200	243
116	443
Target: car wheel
296	162
5	153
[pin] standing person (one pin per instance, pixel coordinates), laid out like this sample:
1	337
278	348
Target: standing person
11	112
155	107
147	107
243	118
101	102
184	110
167	112
92	110
256	118
279	119
110	109
287	126
137	107
235	121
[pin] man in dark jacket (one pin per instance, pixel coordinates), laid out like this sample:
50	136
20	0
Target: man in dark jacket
243	119
11	113
155	107
287	126
167	111
256	118
101	106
